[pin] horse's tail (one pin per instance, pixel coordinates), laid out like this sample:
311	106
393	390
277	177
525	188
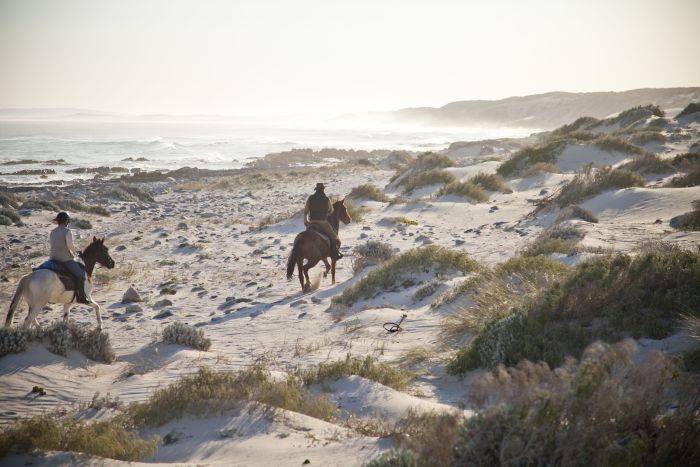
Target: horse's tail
16	298
293	256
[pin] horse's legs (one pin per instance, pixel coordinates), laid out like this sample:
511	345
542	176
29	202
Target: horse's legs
36	322
97	309
300	263
309	265
333	271
328	267
66	309
31	316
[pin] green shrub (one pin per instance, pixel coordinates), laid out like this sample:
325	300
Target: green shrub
540	167
10	214
491	182
4	220
611	143
689	220
370	192
690	164
582	123
113	439
530	156
648	163
576	212
357	213
394	458
592	181
371	253
603	410
208	392
8	199
430	177
606	298
691	108
556	240
39	204
386	276
61	337
465	189
184	334
491	293
431	160
365	367
81	223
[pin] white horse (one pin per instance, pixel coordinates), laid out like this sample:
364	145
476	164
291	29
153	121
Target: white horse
43	286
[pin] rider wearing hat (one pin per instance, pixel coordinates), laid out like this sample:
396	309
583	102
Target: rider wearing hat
64	252
318	208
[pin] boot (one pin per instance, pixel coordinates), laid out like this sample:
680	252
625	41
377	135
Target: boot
80	293
337	252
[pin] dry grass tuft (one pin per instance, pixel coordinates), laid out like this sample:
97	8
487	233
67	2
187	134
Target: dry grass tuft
369	192
113	439
465	189
388	274
365	367
209	392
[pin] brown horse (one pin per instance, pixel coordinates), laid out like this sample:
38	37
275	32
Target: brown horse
310	245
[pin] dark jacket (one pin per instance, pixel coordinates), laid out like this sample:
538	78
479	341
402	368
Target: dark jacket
318	205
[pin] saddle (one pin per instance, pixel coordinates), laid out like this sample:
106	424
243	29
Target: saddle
61	271
313	228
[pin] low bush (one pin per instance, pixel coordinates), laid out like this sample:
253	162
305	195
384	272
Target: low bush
529	156
648	163
113	439
592	181
690	164
357	213
370	192
8	199
555	240
416	260
371	253
81	223
40	204
606	298
689	220
602	410
4	220
10	213
184	334
576	212
690	109
465	189
431	160
208	392
60	337
365	367
491	182
395	458
612	143
491	293
136	192
540	167
431	177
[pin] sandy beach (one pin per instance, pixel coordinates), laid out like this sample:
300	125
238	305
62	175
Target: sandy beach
210	250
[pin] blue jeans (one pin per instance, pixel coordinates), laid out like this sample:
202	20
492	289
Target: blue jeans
75	269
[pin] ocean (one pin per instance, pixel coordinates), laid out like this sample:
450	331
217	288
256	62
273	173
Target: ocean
211	145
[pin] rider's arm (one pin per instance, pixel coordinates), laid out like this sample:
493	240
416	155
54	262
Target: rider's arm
330	207
306	212
69	243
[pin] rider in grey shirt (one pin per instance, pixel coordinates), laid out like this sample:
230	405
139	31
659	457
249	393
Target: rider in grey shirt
64	252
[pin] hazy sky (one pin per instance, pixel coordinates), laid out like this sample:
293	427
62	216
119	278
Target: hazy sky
331	56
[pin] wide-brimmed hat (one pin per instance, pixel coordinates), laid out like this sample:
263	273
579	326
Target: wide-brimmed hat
320	186
62	216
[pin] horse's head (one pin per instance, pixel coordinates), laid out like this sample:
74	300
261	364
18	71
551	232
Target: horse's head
342	211
99	252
